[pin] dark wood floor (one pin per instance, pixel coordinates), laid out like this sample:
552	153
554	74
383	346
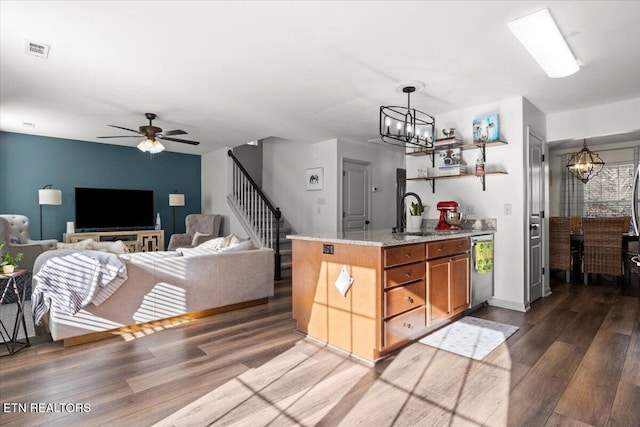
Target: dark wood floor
574	361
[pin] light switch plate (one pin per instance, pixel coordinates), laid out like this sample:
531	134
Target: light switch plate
507	209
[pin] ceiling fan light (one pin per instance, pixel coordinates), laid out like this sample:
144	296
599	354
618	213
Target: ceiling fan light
145	145
156	147
540	35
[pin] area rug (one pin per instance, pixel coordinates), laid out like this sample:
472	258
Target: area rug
470	337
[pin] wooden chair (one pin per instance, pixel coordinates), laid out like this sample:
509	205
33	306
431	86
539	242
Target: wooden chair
602	246
560	252
576	225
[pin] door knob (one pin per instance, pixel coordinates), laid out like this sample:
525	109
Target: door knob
533	227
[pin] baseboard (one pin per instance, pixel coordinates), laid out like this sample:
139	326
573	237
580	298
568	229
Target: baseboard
132	329
510	305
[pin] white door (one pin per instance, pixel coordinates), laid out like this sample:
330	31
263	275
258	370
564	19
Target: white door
535	213
355	196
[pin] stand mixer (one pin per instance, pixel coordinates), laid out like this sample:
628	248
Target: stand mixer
450	218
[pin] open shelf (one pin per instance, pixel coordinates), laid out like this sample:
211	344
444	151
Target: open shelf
432	179
431	153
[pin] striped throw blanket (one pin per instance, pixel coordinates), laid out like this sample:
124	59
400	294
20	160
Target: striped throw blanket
76	279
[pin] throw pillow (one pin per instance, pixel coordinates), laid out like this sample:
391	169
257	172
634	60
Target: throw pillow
83	244
246	245
199	237
15	240
116	247
214	244
230	240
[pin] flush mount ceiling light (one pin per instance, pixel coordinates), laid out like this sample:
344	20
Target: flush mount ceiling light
540	35
585	164
405	125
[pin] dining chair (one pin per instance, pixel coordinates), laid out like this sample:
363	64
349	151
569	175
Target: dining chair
576	224
602	247
560	251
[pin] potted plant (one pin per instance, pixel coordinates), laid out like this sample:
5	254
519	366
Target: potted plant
9	262
415	219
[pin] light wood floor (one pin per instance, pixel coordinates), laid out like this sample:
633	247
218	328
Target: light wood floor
574	361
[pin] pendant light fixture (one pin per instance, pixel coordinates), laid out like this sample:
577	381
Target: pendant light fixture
585	164
405	125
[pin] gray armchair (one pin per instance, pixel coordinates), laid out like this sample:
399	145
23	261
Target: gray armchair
207	226
14	230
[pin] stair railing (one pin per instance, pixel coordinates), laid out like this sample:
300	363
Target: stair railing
258	210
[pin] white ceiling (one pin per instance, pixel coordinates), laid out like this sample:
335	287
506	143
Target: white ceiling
231	72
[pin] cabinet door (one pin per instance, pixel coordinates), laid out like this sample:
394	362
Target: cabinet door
459	283
438	278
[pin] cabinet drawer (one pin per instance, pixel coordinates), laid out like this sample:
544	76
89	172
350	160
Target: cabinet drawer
403	254
447	247
403	298
404	274
403	327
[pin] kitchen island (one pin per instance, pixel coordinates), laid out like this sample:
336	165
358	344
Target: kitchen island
404	286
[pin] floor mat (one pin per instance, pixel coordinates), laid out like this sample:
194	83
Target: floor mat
470	336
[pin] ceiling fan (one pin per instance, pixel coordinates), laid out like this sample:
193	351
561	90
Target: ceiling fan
152	133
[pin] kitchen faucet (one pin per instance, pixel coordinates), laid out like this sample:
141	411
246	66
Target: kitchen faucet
402	221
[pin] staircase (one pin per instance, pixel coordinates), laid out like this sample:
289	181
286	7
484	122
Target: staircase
262	221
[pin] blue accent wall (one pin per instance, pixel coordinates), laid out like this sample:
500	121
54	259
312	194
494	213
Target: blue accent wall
28	163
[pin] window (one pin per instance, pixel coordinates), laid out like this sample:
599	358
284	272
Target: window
609	193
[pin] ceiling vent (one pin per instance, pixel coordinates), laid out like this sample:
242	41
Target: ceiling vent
38	49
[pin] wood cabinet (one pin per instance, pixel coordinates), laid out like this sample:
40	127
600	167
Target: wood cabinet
447	279
135	240
398	293
404	305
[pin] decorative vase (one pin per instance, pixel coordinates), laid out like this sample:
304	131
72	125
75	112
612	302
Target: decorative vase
7	269
415	222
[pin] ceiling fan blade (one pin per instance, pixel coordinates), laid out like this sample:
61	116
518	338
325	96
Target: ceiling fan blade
121	136
179	140
174	132
120	127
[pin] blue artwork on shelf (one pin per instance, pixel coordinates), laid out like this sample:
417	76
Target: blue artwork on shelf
486	129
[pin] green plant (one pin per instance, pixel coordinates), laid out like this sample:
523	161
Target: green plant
8	259
415	208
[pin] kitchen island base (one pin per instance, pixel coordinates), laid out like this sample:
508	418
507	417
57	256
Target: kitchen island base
399	293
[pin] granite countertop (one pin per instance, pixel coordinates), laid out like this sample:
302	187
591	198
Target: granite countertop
386	238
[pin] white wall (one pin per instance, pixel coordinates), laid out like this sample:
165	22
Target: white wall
284	165
607	119
500	190
384	161
216	185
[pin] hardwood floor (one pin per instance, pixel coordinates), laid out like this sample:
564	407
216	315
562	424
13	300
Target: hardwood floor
574	361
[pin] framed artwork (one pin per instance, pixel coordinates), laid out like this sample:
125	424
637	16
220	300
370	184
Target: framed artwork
486	129
315	179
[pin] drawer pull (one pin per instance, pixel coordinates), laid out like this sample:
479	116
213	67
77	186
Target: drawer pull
407	255
407	325
408	298
407	274
440	249
461	244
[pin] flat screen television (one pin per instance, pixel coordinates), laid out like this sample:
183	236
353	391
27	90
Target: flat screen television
104	209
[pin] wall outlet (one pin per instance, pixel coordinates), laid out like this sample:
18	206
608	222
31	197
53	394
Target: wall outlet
469	210
507	209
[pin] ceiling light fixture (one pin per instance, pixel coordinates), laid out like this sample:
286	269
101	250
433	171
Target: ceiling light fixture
151	146
405	125
540	35
585	164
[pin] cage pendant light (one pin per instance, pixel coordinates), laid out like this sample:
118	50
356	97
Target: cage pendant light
585	164
405	125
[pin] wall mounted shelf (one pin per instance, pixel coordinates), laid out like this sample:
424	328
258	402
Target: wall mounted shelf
430	152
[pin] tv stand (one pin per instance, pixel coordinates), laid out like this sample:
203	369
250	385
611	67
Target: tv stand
135	240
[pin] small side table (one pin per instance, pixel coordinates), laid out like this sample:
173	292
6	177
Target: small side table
9	284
